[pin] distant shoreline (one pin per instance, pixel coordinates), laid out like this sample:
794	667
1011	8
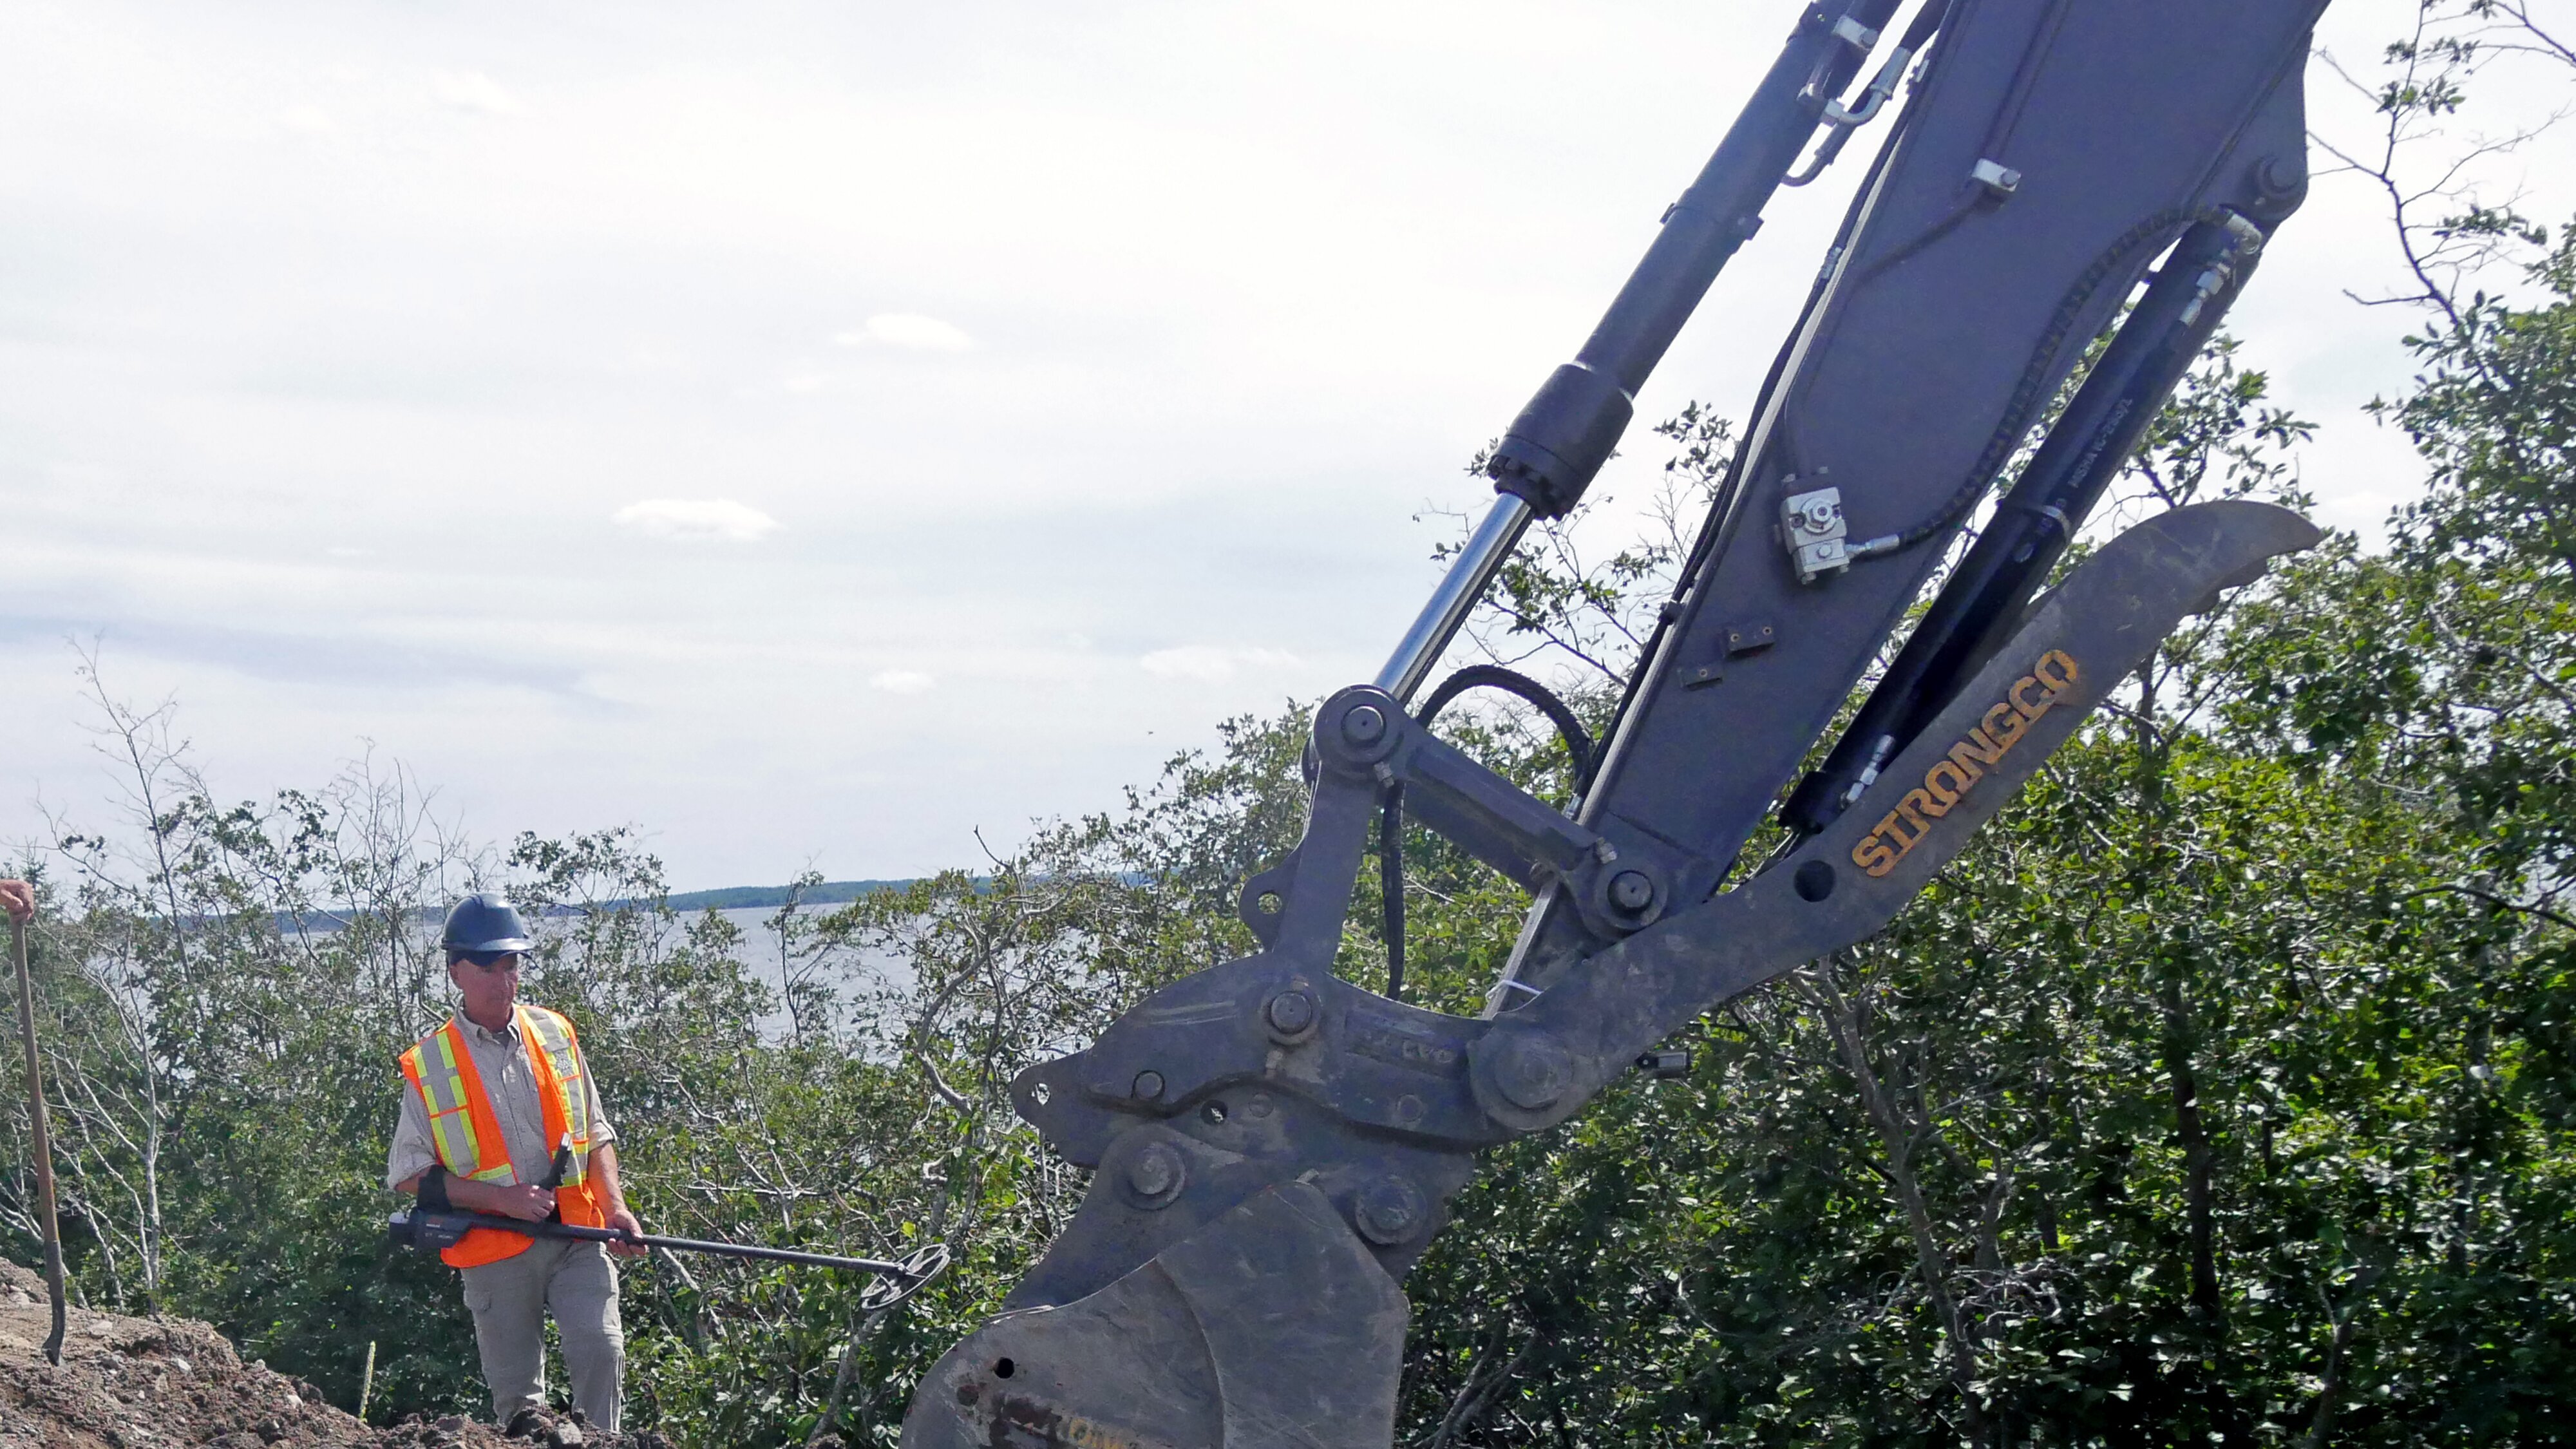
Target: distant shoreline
744	898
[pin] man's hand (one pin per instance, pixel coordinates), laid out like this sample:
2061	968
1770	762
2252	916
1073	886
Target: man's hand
19	899
528	1203
626	1222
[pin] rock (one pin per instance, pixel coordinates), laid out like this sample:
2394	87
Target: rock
451	1424
563	1436
527	1424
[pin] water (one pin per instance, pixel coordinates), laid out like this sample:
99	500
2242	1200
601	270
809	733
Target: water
849	974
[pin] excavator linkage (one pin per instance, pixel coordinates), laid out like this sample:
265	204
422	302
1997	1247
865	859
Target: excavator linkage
1274	1146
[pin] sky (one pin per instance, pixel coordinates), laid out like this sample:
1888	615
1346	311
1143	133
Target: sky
814	433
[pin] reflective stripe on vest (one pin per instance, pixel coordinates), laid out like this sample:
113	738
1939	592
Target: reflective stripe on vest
462	1128
557	1064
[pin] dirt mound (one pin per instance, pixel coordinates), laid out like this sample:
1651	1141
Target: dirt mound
139	1383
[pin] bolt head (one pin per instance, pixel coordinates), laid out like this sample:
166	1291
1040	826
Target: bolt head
1390	1210
1631	891
1364	725
1291	1012
1157	1172
1532	1072
1148	1086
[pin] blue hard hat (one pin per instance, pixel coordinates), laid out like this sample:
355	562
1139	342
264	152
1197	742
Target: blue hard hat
486	921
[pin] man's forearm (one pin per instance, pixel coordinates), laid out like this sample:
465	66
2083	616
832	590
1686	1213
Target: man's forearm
610	1192
610	1189
472	1196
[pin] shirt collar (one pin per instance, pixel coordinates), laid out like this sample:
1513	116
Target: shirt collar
508	1035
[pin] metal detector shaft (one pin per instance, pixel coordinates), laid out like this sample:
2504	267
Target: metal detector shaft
745	1250
430	1230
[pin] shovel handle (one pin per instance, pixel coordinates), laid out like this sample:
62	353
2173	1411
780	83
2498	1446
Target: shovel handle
42	1147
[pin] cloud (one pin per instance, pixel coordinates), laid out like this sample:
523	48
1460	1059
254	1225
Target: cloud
908	329
902	681
307	120
360	660
472	90
1210	664
697	520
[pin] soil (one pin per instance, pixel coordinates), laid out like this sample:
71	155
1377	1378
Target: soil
160	1383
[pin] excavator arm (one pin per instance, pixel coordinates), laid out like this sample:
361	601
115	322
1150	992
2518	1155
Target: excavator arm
1275	1147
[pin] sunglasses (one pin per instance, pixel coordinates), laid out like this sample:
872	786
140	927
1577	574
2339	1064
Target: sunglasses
491	960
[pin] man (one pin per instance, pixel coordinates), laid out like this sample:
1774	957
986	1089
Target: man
487	1101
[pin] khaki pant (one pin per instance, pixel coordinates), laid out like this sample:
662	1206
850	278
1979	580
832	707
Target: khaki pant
509	1300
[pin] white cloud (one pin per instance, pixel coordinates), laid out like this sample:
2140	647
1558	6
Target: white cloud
902	681
908	329
307	120
472	90
1210	664
697	520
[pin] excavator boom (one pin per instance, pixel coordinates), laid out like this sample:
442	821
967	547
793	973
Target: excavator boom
1275	1147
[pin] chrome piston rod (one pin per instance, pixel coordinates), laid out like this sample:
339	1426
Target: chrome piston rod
1446	611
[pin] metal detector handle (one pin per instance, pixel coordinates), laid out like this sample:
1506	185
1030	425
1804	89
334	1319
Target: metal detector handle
562	1166
555	1174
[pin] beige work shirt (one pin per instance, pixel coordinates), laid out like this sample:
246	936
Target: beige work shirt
502	1061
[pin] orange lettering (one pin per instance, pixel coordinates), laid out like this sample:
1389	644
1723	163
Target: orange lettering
1976	748
1893	827
2028	710
1874	855
2064	664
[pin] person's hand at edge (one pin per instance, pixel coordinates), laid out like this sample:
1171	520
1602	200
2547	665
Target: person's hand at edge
625	1221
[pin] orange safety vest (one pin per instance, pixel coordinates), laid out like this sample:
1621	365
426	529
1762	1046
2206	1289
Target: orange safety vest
467	1135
